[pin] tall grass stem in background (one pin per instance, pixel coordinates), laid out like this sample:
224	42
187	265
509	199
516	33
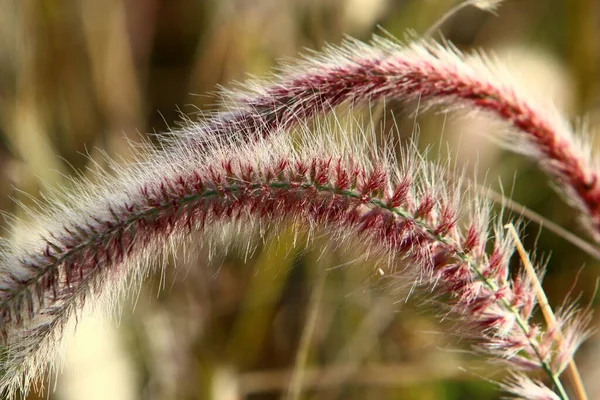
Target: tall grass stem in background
572	370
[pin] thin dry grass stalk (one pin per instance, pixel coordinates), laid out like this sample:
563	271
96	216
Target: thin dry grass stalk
106	237
425	70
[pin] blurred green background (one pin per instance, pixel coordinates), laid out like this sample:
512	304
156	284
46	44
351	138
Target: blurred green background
288	321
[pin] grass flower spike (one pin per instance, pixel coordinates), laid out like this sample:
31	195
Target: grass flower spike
435	235
425	70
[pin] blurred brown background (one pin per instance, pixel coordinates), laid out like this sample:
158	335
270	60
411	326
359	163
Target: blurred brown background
78	76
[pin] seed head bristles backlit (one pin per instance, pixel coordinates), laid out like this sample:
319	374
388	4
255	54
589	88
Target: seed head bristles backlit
518	384
486	5
435	74
104	239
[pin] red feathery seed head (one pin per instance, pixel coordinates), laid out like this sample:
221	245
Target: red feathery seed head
358	72
258	183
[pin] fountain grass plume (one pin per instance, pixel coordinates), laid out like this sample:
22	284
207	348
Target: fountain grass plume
423	70
104	238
